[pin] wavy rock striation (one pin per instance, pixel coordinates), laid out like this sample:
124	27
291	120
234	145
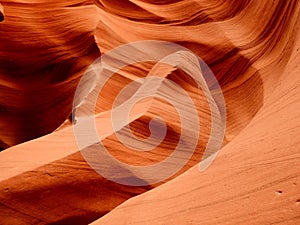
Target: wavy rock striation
44	48
251	46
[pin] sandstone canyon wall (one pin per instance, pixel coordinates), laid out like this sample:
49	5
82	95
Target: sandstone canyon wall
252	48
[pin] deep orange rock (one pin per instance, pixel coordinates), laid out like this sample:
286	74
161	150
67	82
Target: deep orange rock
252	47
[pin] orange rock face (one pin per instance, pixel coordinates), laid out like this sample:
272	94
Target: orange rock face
71	173
44	48
1	13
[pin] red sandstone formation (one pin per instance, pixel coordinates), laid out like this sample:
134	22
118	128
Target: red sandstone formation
1	13
252	47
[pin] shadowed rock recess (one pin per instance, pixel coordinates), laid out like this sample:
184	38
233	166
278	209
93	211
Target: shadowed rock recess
251	46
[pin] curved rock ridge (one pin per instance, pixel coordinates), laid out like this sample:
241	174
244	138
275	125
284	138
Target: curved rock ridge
254	180
44	48
251	46
258	75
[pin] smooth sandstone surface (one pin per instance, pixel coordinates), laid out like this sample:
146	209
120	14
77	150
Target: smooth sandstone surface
252	47
254	180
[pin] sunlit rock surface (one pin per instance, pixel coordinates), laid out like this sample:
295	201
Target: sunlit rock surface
251	46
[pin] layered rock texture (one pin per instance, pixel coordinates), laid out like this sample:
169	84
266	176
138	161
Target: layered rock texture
252	48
